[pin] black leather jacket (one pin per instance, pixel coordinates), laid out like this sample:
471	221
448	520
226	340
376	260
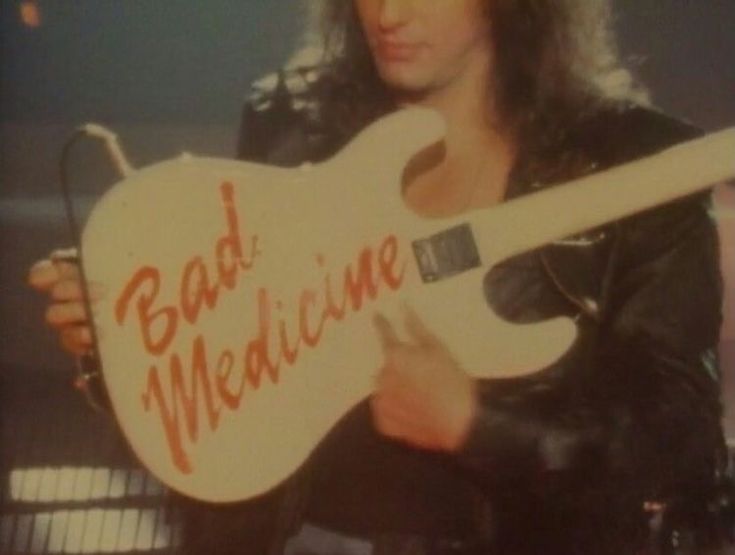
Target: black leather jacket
559	462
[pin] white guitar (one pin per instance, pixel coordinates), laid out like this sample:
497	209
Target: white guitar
236	326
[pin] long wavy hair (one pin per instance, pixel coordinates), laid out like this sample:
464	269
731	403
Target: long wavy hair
554	61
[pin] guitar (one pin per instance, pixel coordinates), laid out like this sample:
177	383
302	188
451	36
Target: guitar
236	327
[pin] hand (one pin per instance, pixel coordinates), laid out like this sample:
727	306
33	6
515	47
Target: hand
422	396
58	277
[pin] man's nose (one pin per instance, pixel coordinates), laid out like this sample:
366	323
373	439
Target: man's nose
395	13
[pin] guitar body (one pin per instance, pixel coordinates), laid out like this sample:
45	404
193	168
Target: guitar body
236	326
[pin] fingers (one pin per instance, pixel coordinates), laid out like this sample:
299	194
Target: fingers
44	274
386	333
397	422
70	255
76	339
66	290
418	330
415	327
394	389
59	277
65	314
70	320
71	290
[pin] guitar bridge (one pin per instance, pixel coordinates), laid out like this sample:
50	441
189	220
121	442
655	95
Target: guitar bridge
446	253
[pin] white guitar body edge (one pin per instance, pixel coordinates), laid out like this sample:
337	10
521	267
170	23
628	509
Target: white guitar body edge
289	238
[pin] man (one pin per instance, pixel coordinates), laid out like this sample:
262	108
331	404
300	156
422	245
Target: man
562	461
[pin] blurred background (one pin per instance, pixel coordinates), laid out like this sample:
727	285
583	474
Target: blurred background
170	76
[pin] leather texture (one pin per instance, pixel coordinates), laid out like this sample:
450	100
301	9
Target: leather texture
561	461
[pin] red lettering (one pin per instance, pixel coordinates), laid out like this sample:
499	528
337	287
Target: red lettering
188	394
387	257
290	353
359	282
184	398
308	335
196	290
230	398
228	251
257	355
333	309
157	327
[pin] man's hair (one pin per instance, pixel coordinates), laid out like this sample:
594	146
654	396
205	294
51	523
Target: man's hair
553	60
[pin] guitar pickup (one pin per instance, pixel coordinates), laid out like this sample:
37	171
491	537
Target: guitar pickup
446	253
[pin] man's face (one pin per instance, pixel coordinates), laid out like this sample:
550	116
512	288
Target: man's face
420	46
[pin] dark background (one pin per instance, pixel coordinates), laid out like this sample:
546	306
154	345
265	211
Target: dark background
170	76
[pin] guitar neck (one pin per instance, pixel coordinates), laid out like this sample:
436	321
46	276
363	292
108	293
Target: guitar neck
526	223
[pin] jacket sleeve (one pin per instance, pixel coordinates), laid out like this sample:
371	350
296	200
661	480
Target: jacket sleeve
636	401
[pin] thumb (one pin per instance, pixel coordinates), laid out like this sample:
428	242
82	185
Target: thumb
386	333
418	330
